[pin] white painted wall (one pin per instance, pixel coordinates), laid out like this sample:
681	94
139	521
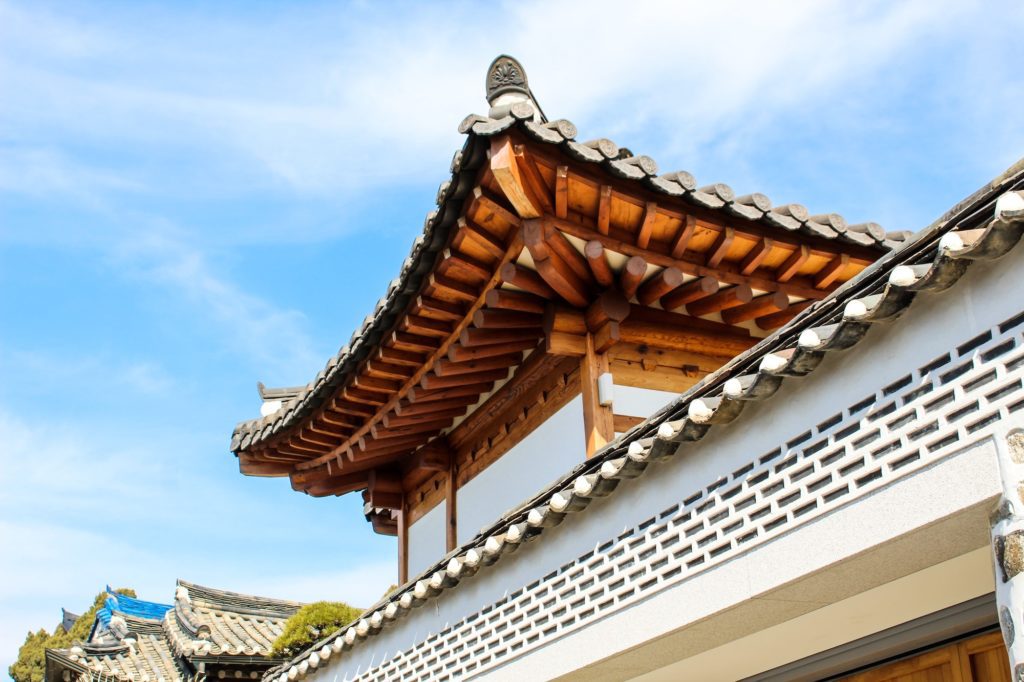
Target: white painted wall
640	402
554	447
426	540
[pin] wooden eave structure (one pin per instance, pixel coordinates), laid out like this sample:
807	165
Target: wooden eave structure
547	263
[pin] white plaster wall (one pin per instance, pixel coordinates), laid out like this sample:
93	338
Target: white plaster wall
987	295
556	446
640	402
426	540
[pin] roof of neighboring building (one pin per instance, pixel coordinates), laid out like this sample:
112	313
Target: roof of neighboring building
106	626
284	408
131	649
67	619
982	227
209	622
133	639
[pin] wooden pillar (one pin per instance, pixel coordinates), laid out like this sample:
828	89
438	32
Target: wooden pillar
451	507
403	543
598	420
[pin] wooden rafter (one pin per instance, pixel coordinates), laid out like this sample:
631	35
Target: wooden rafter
512	251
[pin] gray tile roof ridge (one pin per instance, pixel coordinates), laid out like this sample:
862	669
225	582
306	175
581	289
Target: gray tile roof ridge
984	226
603	153
236	599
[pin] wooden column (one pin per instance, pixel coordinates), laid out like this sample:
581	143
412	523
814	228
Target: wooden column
598	420
403	544
451	507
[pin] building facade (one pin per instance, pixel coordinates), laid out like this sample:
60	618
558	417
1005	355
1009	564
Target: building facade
625	426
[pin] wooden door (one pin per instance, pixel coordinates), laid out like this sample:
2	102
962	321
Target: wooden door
978	659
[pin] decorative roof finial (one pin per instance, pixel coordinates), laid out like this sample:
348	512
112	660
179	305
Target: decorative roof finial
507	87
506	76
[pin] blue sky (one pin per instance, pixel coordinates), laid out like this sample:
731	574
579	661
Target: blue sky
197	196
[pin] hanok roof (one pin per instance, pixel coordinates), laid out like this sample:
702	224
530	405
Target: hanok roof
67	620
209	622
590	189
982	227
133	639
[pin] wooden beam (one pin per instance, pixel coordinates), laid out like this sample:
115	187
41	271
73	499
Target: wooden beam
758	307
792	264
446	367
434	456
661	284
432	381
624	422
440	282
536	189
673	331
489	318
385	489
726	298
643	235
598	425
416	425
556	272
506	299
458	353
724	272
398	357
467	230
702	287
472	337
562	191
756	256
438	401
384	523
465	265
830	273
682	239
651	358
631	276
611	306
720	247
419	395
451	514
385	370
506	172
403	544
565	250
604	209
525	279
598	262
671	379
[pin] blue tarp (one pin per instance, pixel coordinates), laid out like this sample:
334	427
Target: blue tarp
128	606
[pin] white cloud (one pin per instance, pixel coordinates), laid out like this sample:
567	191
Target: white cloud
374	99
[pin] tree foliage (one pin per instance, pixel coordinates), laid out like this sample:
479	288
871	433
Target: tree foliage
311	623
31	663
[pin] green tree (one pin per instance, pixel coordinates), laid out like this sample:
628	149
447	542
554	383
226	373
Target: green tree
31	663
312	623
